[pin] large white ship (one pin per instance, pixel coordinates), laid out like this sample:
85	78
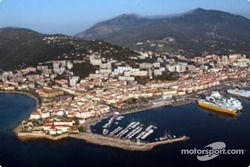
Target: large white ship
216	102
239	92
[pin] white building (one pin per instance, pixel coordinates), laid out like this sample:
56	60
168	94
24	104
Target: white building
45	115
125	78
146	66
95	60
136	73
73	80
35	116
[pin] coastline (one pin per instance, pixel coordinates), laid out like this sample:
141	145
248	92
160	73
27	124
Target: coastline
90	137
37	101
124	144
155	106
102	140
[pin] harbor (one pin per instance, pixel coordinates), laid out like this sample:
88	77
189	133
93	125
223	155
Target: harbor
167	119
139	132
133	137
118	129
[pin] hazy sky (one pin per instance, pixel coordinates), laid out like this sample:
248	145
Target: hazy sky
73	16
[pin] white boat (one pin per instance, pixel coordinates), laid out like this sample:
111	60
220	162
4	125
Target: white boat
229	102
140	135
119	118
135	125
115	131
147	134
239	92
221	104
105	131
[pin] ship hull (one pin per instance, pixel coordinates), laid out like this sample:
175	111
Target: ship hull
217	109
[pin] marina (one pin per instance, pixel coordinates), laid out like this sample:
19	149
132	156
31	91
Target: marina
110	122
135	131
139	131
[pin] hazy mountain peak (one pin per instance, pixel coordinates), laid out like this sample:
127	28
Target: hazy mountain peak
194	32
131	15
113	25
199	10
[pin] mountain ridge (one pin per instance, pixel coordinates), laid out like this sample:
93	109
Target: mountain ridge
211	29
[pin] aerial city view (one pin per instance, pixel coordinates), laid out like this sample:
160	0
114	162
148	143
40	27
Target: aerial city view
124	83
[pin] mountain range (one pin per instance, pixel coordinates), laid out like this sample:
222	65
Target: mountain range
193	33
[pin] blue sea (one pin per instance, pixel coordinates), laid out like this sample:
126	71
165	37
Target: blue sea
203	128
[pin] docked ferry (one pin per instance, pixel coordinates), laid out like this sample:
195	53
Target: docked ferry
239	92
216	102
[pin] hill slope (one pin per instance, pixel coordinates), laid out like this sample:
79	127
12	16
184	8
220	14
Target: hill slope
21	47
193	33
